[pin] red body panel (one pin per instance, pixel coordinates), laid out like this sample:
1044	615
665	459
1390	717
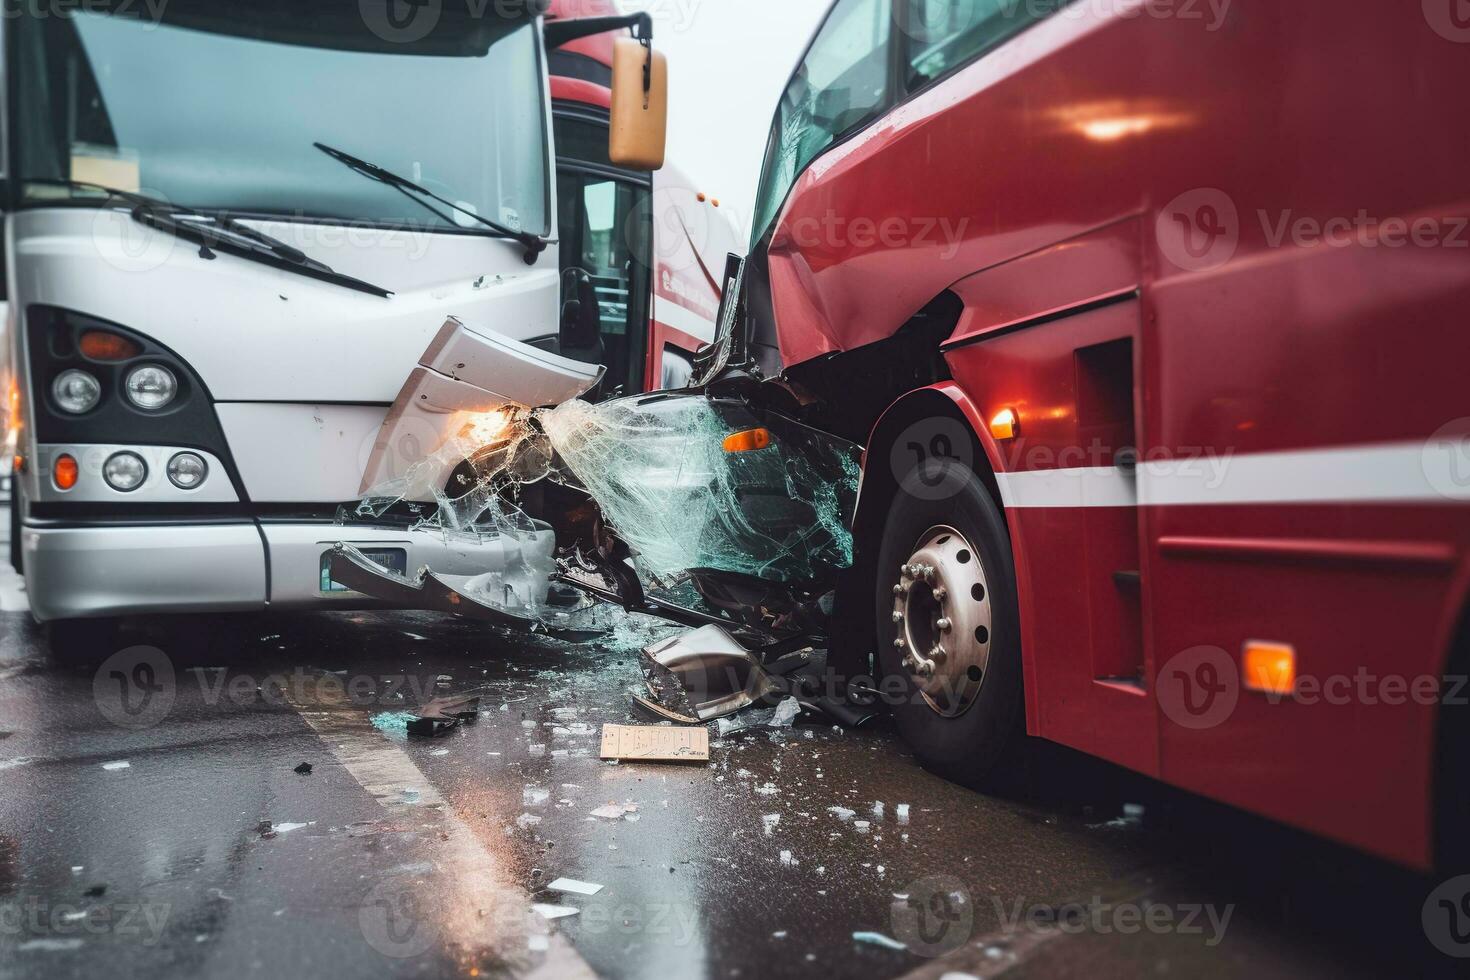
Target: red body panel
1125	196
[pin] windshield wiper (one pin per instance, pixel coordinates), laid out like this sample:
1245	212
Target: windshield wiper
533	244
221	232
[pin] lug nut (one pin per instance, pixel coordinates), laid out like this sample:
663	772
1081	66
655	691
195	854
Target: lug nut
940	594
899	644
898	590
898	617
940	654
943	624
927	668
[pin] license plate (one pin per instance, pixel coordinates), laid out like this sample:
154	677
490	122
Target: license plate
392	559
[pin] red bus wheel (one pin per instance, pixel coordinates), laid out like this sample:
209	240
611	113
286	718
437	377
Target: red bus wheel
948	629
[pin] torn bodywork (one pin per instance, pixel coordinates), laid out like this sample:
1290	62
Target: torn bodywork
705	675
741	511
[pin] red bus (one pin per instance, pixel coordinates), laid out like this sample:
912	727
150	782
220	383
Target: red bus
1151	318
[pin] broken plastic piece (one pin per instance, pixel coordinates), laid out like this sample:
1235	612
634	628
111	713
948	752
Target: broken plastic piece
572	886
443	714
554	911
703	675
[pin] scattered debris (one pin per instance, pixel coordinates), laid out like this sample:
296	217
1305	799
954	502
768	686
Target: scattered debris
303	770
534	795
443	714
842	813
703	675
769	822
527	820
554	911
615	811
392	723
114	766
902	812
878	939
655	743
571	886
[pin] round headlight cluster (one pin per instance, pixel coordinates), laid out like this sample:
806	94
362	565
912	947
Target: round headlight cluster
151	387
76	391
187	470
125	471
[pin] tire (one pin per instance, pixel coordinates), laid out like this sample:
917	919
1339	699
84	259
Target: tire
81	642
971	731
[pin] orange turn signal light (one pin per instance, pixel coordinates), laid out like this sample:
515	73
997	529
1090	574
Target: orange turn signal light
748	441
99	345
1269	667
65	472
18	463
1006	424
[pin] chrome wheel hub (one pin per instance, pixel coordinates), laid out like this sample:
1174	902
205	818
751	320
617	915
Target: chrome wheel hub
942	611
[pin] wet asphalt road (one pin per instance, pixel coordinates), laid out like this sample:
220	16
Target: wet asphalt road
417	857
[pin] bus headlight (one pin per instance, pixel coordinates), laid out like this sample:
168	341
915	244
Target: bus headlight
125	472
76	391
187	470
151	387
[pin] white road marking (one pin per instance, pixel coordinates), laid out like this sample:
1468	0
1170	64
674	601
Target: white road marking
487	899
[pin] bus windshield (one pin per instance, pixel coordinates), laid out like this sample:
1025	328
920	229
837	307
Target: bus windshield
225	118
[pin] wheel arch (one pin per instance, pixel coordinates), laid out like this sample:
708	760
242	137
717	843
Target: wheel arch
880	485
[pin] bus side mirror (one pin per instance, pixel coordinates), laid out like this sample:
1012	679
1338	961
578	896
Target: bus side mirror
640	105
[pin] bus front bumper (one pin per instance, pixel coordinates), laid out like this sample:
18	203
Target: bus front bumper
85	572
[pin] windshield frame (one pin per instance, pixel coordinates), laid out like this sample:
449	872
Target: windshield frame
15	198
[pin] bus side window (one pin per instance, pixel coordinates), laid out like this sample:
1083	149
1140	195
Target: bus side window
841	85
942	35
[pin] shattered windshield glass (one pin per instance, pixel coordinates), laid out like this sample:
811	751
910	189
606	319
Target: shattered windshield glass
689	483
658	468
